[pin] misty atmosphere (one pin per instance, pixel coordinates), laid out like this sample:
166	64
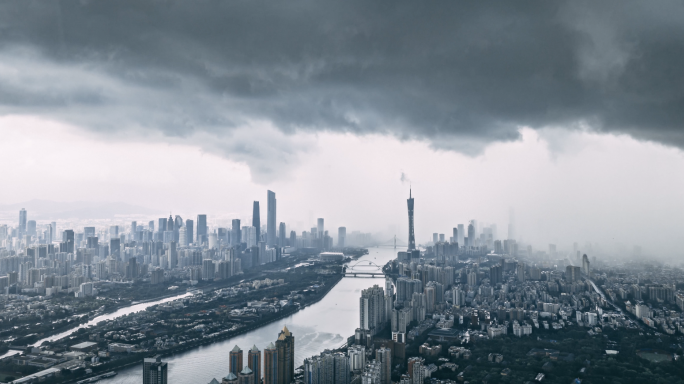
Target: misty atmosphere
199	172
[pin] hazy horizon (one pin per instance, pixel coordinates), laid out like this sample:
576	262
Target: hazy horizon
570	113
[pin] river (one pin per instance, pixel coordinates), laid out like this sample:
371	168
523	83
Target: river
323	325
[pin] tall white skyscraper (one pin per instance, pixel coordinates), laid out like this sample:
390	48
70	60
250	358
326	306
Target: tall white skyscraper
21	231
272	239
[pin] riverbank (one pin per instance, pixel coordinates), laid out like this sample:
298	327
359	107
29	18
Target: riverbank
181	349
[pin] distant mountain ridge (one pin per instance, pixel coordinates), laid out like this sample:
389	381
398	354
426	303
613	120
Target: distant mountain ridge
49	210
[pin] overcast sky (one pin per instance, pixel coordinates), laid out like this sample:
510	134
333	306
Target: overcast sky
570	112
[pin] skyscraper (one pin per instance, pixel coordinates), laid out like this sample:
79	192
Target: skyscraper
235	232
341	236
21	231
286	353
471	233
235	360
115	247
461	235
256	220
321	227
202	233
155	371
189	231
31	228
271	220
271	364
282	235
68	239
412	238
585	264
254	363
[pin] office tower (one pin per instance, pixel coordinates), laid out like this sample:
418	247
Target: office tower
454	238
235	233
320	227
21	230
132	268
235	360
461	235
585	264
189	231
282	235
88	232
173	255
92	243
202	231
384	357
115	247
271	220
471	233
372	309
177	225
435	238
293	239
113	231
254	363
411	237
183	237
169	224
68	240
134	227
286	354
256	220
31	228
271	364
341	236
155	371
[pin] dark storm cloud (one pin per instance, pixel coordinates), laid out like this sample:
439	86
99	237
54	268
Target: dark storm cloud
459	74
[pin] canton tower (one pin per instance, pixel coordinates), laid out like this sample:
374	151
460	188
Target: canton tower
412	238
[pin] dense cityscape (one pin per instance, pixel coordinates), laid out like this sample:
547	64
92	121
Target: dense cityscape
349	192
444	313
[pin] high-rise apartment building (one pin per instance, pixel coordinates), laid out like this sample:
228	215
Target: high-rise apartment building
286	354
254	363
155	371
271	364
372	309
411	236
235	360
384	357
271	220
